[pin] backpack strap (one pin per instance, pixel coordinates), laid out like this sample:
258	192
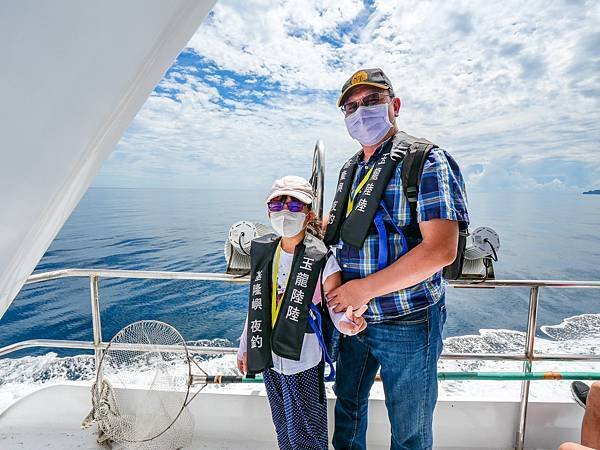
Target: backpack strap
412	169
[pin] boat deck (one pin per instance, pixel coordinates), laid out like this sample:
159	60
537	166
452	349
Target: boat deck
50	419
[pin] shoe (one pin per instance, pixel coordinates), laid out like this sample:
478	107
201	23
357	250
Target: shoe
580	392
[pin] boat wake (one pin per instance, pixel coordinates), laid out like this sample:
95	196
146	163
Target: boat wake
579	334
575	335
573	328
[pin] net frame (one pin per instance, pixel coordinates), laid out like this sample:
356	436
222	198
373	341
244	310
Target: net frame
115	344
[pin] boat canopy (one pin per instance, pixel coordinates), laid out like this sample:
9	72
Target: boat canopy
74	76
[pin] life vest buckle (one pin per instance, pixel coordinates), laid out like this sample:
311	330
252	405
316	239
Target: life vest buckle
411	194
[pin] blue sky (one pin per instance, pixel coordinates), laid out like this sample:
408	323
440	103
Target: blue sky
511	89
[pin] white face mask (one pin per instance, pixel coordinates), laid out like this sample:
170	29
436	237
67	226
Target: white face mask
287	224
369	124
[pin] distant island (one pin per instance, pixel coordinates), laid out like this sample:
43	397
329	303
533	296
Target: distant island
594	192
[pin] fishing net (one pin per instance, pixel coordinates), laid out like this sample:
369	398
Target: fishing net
142	389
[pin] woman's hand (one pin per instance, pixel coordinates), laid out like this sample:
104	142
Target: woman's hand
357	321
352	293
242	364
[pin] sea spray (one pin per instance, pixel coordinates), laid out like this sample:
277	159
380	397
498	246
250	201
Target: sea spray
21	376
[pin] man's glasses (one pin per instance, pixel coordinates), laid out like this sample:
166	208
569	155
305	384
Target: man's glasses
368	100
292	206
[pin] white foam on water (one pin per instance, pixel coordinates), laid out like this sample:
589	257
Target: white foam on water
573	328
580	334
543	390
20	377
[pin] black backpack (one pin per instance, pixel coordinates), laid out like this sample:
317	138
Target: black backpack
412	169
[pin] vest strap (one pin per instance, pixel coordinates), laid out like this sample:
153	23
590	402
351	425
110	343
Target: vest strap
317	326
339	207
382	257
355	228
382	234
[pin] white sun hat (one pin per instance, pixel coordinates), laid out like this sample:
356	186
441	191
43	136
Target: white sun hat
293	186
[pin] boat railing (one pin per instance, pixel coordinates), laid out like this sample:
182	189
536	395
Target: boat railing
528	356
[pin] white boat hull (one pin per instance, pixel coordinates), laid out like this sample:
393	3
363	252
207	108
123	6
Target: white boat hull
51	418
79	72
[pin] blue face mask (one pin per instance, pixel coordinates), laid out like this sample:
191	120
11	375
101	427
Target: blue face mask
369	124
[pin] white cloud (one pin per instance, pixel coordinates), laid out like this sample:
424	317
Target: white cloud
512	89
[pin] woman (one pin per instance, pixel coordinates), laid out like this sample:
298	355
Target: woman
284	334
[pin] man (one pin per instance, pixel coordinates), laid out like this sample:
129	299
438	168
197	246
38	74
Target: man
391	259
588	398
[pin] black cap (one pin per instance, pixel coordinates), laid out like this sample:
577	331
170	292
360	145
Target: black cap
369	77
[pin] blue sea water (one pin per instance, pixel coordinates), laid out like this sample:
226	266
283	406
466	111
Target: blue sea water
543	236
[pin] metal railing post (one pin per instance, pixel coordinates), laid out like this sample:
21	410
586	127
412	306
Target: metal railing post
96	324
529	347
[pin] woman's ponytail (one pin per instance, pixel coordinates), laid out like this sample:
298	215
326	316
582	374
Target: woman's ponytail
315	228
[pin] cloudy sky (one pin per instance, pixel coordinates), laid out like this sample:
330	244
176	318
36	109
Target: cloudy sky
511	89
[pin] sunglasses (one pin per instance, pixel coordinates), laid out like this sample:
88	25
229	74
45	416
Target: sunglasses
292	205
368	100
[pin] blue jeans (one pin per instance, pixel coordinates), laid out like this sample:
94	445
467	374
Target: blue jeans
407	350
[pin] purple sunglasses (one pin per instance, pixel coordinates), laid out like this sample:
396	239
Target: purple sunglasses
292	205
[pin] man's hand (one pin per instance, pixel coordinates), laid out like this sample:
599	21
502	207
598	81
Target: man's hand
242	364
358	321
351	293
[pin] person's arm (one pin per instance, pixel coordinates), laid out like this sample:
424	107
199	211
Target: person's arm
437	250
348	321
242	349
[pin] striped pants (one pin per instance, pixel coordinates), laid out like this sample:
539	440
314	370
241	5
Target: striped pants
299	416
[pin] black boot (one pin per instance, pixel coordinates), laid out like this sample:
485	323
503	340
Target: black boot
580	392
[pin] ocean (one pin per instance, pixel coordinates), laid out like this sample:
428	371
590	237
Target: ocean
542	236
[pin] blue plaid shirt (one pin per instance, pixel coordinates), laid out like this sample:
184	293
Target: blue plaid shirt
441	196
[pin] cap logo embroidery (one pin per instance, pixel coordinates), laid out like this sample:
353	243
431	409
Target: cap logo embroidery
359	77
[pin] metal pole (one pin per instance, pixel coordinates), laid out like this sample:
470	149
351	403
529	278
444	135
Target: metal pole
529	345
518	376
209	276
96	325
317	178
